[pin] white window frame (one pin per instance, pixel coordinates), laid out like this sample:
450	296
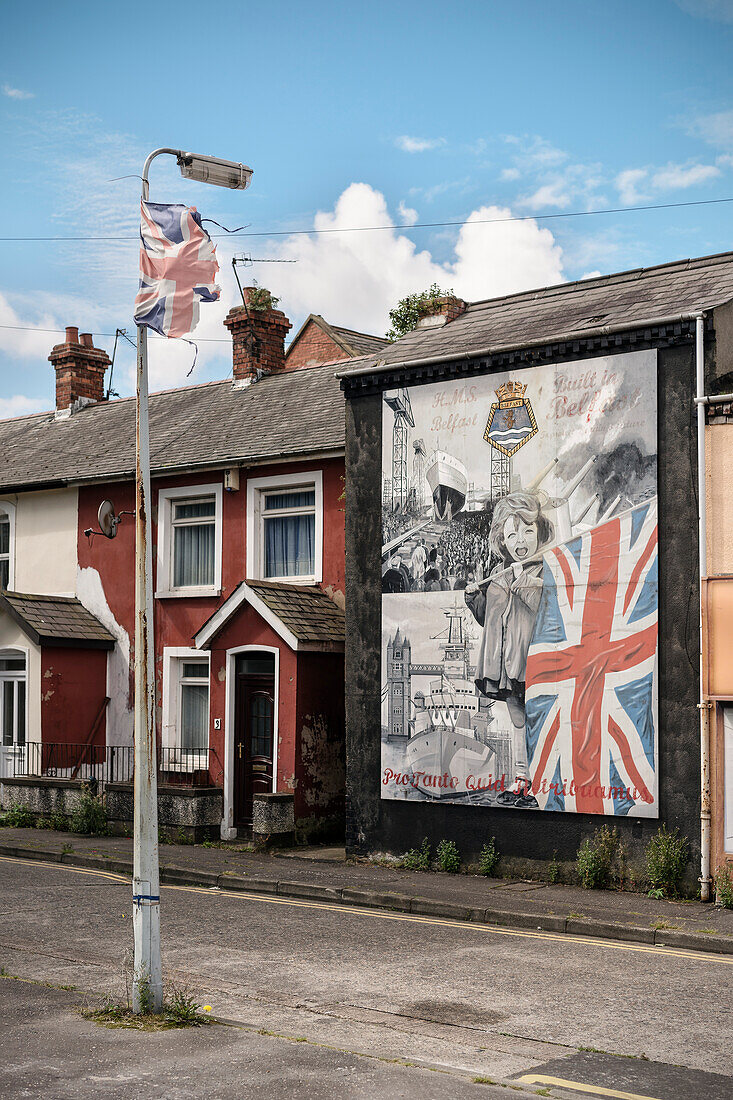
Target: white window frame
174	657
257	488
166	498
8	509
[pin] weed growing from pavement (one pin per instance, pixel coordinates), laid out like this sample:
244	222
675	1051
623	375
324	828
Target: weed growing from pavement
19	817
489	858
418	859
661	925
724	887
601	859
666	857
448	857
180	1009
90	815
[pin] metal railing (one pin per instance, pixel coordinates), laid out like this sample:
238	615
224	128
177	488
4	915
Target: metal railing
177	767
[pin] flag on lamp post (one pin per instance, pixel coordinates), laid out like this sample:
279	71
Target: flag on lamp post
178	268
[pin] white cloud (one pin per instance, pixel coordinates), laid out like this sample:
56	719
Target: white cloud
407	213
354	279
715	129
628	182
592	275
417	145
20	405
510	174
549	194
720	11
681	175
16	93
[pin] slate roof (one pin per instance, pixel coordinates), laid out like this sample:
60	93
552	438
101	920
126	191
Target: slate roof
56	621
553	313
362	343
295	413
306	610
310	618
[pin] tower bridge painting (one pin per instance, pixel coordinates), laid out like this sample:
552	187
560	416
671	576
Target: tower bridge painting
519	579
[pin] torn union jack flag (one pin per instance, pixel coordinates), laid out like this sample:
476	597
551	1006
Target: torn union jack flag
591	691
177	268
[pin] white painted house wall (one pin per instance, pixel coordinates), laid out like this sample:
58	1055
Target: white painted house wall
45	551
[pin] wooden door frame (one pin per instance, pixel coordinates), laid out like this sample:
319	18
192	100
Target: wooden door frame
228	828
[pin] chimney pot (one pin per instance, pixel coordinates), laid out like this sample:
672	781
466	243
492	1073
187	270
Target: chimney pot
80	369
258	338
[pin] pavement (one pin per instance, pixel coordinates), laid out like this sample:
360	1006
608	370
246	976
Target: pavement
324	874
330	998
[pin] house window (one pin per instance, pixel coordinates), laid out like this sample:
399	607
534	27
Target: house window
194	705
285	527
12	701
7	533
189	541
185	709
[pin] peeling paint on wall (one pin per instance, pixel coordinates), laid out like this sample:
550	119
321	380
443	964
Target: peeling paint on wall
323	767
336	595
120	716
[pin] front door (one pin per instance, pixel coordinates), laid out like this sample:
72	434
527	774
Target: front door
12	710
253	731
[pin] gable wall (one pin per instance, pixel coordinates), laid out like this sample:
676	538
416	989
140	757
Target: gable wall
314	346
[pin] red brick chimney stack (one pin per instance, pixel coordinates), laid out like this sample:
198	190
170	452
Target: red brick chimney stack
258	338
79	369
440	311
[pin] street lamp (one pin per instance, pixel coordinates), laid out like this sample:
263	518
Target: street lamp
147	984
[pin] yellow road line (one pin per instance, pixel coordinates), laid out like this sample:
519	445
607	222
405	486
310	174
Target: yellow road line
411	918
579	1086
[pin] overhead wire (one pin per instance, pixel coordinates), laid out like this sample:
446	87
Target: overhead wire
409	228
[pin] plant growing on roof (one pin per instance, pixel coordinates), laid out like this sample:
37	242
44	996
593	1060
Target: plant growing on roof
260	299
409	310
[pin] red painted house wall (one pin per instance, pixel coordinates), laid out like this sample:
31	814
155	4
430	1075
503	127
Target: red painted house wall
73	688
177	619
320	747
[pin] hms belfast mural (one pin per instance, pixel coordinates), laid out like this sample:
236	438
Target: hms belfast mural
519	580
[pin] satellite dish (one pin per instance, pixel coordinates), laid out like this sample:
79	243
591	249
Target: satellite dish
108	519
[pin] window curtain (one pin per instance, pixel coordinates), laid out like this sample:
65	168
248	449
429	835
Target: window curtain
194	716
290	544
193	556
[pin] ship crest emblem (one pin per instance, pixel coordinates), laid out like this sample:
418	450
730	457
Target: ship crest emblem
511	421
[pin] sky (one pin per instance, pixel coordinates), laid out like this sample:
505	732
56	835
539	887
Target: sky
388	114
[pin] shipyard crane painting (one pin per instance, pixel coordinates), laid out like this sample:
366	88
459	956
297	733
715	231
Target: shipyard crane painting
520	614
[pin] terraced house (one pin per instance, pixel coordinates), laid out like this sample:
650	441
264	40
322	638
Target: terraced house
248	548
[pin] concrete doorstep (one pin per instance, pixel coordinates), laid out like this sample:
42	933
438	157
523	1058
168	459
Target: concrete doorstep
187	874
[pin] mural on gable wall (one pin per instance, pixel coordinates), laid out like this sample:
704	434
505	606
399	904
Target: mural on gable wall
519	581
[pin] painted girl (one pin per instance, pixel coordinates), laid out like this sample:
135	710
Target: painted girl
506	606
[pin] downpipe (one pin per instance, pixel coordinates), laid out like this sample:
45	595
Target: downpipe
704	705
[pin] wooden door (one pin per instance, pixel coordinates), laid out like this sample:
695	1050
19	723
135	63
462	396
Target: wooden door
253	735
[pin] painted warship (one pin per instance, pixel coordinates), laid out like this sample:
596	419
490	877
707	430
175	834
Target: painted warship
448	481
450	735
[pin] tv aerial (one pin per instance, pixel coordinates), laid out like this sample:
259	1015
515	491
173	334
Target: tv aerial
109	520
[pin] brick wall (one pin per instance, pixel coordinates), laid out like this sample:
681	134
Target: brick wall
258	339
314	346
79	369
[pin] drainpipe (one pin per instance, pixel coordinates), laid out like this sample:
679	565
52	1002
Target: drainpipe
704	705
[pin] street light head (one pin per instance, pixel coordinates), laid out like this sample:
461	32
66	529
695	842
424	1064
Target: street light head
222	173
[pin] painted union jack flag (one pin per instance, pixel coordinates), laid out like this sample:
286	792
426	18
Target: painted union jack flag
591	697
178	268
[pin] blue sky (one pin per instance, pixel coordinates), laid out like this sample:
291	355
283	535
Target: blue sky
351	115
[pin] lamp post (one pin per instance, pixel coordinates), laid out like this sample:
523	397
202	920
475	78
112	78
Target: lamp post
147	984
